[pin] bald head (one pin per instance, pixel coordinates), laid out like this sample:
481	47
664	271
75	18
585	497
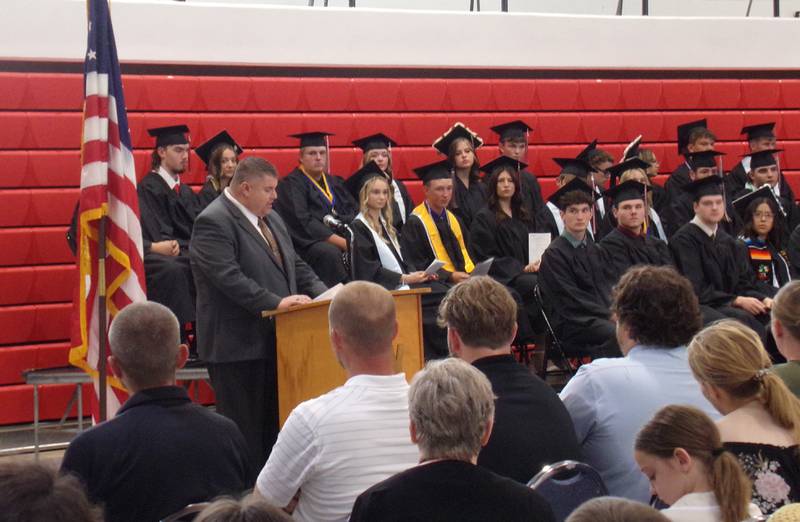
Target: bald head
144	340
363	315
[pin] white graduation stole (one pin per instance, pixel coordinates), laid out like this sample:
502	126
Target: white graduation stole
656	219
388	260
401	205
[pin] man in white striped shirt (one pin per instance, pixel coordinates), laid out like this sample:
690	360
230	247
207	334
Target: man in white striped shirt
335	446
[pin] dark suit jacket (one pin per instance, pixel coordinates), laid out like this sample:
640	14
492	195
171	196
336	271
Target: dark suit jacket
237	278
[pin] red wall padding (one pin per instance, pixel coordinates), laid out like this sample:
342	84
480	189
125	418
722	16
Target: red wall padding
40	129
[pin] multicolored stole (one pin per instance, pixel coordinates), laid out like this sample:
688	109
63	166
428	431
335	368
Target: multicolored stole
435	239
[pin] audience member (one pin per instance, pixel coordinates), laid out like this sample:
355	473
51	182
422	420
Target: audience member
469	195
451	406
615	509
786	332
788	513
531	425
335	446
681	454
761	417
161	452
249	509
610	399
244	264
220	155
35	493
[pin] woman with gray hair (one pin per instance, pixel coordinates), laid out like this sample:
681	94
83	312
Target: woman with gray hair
451	406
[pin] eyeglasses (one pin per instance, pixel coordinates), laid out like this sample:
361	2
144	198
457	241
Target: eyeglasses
764	215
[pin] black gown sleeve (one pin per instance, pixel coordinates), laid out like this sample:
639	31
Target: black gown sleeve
688	255
417	251
368	265
293	206
485	243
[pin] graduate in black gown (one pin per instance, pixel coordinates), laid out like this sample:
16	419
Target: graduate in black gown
500	231
378	148
600	161
660	196
716	263
377	255
308	194
763	235
693	136
760	137
548	220
221	155
469	195
167	208
434	233
575	286
513	142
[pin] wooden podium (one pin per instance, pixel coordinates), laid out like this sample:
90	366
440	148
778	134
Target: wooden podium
307	366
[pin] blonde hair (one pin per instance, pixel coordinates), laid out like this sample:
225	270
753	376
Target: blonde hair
786	308
615	509
367	157
629	175
690	429
730	356
386	212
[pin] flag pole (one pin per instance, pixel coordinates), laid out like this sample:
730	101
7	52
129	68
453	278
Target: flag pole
102	318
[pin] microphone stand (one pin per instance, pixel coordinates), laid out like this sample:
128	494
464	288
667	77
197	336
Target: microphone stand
350	239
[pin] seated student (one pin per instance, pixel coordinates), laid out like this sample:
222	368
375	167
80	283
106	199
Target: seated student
702	165
615	509
599	161
760	137
459	144
660	196
378	148
377	255
168	209
549	220
305	196
161	451
513	142
532	427
432	232
250	509
693	136
761	417
680	452
220	154
35	493
573	278
500	231
610	399
716	263
785	325
763	235
629	244
451	406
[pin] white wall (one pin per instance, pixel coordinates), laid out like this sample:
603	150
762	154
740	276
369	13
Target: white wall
258	34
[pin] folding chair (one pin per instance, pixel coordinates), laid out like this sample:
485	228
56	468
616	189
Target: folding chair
566	485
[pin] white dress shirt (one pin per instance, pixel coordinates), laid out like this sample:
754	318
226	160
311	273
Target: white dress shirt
701	507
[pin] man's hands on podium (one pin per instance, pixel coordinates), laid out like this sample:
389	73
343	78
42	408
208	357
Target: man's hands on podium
292	301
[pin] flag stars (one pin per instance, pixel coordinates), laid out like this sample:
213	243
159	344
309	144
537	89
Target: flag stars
91	55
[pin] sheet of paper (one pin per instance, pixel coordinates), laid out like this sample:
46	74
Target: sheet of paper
537	244
328	294
434	267
482	268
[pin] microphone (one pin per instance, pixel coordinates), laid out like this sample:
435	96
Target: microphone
334	224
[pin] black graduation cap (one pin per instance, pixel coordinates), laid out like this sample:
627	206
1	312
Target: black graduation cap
615	171
708	186
171	135
763	158
438	170
625	191
632	150
575	184
458	130
577	166
740	205
588	151
705	158
512	130
761	130
685	129
376	141
361	176
312	139
204	151
503	162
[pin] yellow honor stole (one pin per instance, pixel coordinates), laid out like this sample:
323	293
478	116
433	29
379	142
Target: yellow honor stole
435	239
325	189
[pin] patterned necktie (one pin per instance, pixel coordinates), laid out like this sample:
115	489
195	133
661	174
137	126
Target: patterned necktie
273	244
177	188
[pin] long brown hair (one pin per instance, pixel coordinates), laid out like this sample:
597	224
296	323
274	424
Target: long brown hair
386	212
730	356
474	171
516	200
786	308
215	164
688	428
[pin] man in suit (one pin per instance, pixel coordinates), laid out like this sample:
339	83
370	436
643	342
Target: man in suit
244	263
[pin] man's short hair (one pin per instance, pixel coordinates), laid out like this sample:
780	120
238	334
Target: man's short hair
450	403
600	156
482	311
144	339
699	133
252	167
658	306
614	509
575	197
34	493
249	509
364	314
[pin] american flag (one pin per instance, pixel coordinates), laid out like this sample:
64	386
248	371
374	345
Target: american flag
108	190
